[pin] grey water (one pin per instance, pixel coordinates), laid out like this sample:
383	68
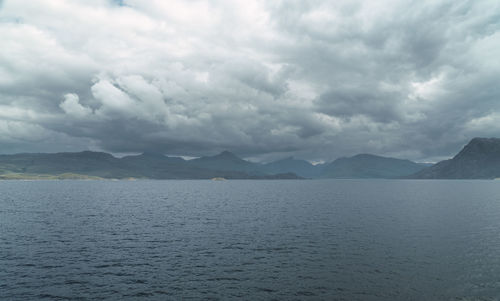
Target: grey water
250	240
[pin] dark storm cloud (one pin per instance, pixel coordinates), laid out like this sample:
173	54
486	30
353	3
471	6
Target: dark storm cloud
314	79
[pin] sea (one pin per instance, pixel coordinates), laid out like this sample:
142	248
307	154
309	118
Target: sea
250	240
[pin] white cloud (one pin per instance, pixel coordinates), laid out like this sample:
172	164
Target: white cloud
72	106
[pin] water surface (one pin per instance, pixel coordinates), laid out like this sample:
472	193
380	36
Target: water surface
251	240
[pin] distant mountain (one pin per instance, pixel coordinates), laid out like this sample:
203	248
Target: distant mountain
158	166
86	163
370	166
149	159
425	164
299	167
227	161
93	165
479	159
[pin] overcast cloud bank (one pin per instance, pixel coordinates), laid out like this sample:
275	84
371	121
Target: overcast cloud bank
314	79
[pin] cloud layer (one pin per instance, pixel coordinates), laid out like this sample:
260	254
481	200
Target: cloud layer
314	79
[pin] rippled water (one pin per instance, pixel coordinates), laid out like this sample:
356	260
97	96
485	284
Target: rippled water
252	240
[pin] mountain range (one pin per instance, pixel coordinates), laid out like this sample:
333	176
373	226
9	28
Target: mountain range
147	165
224	165
479	159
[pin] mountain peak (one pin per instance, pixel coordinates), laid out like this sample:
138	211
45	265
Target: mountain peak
300	167
479	159
478	142
480	146
366	156
227	154
482	139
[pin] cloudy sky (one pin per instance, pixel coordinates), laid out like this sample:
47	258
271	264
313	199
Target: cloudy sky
264	79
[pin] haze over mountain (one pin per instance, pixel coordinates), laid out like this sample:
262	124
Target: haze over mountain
479	159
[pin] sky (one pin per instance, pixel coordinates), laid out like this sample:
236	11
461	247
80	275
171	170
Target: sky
313	79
